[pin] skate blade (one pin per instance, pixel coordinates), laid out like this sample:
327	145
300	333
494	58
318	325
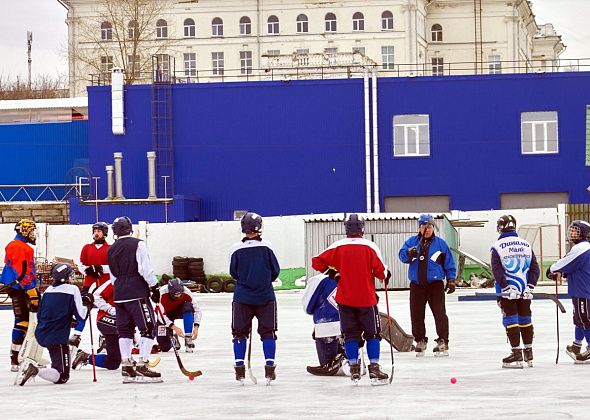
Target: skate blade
242	382
379	382
572	355
14	368
582	362
420	354
517	365
441	354
529	363
268	381
142	380
189	350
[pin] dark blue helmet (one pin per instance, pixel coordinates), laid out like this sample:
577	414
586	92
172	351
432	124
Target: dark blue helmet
506	223
101	226
425	219
251	223
354	225
175	286
122	226
578	231
61	273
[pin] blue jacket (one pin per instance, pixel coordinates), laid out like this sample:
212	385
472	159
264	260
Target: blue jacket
576	266
59	305
254	266
440	260
319	300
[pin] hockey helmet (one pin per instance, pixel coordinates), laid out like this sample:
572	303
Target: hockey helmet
61	273
26	228
122	226
578	231
506	223
251	223
354	225
175	287
425	219
101	226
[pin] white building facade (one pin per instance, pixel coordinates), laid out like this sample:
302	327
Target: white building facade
213	40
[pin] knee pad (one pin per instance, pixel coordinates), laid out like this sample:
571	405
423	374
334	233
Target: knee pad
510	321
525	320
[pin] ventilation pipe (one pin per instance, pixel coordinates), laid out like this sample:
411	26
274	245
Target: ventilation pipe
151	156
118	175
118	112
367	140
109	170
376	206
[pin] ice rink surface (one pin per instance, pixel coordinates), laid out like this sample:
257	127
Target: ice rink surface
421	388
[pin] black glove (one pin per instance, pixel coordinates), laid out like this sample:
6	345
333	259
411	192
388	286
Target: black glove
94	271
413	252
33	305
155	294
88	299
450	287
550	275
387	277
333	274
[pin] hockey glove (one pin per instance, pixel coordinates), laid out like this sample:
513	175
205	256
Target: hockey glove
93	271
550	275
528	292
332	273
450	287
112	311
387	277
75	340
88	299
155	294
413	253
33	300
510	292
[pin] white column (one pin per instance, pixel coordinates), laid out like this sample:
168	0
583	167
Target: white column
151	156
118	175
109	170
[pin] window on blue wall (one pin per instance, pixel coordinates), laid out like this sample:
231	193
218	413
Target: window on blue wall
539	132
411	135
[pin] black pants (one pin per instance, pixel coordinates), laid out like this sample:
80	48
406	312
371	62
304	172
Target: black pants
242	315
108	328
20	308
434	295
134	313
359	322
581	312
60	361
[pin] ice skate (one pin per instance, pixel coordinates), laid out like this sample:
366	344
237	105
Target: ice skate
420	348
377	377
583	358
528	356
442	348
29	371
240	373
269	373
189	345
14	364
80	360
156	349
75	341
14	367
573	350
514	360
128	371
355	373
145	375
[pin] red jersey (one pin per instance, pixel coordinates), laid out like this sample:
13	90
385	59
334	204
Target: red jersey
95	254
17	252
104	299
358	261
168	305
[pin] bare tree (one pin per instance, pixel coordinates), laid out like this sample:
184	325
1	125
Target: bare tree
41	87
120	33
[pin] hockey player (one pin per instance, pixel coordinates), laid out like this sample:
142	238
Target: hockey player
318	300
95	264
106	322
254	266
177	302
576	267
60	303
133	279
358	261
19	275
430	262
516	272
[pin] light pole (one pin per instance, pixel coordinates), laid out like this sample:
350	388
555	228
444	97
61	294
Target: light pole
166	197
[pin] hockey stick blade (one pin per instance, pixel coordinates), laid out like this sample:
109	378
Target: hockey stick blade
186	372
250	374
540	295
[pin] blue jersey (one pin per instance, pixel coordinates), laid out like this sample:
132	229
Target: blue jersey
319	300
576	266
254	266
59	305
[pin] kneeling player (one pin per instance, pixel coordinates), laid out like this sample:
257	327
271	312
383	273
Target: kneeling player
177	302
59	304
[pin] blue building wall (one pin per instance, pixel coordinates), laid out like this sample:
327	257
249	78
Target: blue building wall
298	147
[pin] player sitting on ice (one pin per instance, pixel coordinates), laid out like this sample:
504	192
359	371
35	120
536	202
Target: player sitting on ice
177	302
60	303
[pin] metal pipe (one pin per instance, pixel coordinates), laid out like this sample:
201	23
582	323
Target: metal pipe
118	175
367	140
151	156
109	169
377	204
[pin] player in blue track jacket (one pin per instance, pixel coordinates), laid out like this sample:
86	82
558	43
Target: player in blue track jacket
60	303
254	266
576	267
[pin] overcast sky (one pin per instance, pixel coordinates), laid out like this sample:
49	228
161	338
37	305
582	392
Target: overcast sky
46	19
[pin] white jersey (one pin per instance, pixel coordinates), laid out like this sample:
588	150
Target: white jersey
516	255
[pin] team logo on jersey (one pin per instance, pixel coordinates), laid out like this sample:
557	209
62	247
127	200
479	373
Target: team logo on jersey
332	299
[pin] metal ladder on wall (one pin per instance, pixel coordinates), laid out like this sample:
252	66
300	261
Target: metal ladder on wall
163	71
479	59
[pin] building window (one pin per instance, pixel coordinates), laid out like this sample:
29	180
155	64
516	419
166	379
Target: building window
437	66
133	65
217	27
106	64
273	53
132	30
245	25
189	28
106	31
358	22
361	50
245	62
387	57
273	25
190	64
162	68
302	24
387	21
330	22
161	29
494	64
217	58
436	31
411	135
539	132
331	55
